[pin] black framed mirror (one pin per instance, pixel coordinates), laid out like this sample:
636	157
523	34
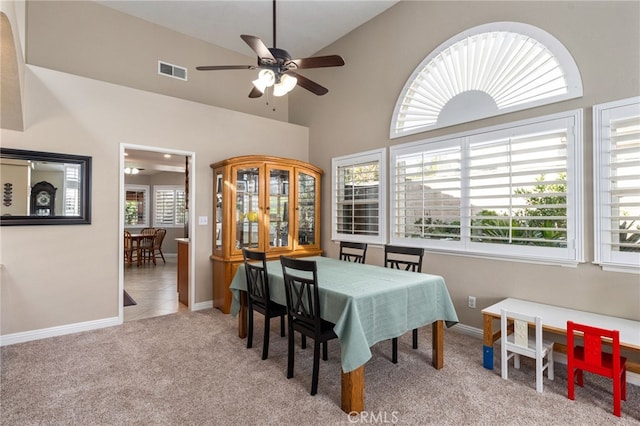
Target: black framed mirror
44	188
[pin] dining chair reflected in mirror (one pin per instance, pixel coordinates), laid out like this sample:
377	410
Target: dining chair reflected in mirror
303	312
353	252
259	298
407	259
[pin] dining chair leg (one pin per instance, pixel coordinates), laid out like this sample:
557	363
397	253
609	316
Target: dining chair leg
290	358
316	367
265	340
250	329
304	342
325	351
415	338
394	350
281	325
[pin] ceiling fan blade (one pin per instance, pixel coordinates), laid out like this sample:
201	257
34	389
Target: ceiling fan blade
255	93
225	67
318	62
310	85
259	47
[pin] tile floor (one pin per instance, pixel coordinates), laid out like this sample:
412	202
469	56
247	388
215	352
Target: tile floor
153	288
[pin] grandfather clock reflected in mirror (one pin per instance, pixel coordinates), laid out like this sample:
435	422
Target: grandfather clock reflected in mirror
43	196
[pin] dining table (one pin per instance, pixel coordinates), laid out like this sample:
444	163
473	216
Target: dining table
367	304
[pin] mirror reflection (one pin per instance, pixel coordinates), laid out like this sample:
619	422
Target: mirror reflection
44	188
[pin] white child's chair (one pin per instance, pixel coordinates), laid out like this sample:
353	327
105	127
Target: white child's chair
519	343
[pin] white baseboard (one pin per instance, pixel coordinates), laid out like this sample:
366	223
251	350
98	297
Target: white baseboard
632	378
10	339
27	336
202	305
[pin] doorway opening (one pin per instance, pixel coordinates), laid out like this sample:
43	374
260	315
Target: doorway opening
155	210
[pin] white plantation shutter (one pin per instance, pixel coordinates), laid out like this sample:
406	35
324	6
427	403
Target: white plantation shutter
517	188
617	184
487	70
169	206
136	205
358	197
72	190
427	193
509	191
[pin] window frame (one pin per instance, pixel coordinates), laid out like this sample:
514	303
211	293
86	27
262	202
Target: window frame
174	189
146	191
377	155
603	114
571	256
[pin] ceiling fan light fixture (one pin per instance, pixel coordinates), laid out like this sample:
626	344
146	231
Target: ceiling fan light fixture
287	83
266	78
131	170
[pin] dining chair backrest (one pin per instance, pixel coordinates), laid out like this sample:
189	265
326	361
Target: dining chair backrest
407	258
149	235
353	252
128	247
301	287
255	263
520	343
158	237
128	241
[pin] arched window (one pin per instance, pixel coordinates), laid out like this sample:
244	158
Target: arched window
485	71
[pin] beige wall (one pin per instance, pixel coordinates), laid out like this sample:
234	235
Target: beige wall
61	275
91	40
15	173
604	39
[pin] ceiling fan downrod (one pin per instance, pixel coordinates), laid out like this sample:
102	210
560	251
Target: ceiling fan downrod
274	23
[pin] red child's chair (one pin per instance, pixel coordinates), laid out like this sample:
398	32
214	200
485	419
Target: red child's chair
591	358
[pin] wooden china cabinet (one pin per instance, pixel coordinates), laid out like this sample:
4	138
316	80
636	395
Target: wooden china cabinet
264	203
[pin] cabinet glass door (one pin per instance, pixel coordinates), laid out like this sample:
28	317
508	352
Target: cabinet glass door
278	207
306	209
219	220
247	208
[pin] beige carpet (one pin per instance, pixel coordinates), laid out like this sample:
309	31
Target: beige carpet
192	369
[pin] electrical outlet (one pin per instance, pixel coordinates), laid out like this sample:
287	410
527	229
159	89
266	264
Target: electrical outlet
472	302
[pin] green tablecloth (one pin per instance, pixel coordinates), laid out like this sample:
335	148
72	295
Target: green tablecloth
367	303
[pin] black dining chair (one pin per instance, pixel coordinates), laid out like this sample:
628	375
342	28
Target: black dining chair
303	312
408	259
258	297
353	252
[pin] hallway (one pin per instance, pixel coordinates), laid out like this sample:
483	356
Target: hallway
153	288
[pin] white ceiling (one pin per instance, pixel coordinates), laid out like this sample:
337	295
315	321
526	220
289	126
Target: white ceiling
151	162
303	27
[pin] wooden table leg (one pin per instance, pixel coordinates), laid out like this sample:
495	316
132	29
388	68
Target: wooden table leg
487	338
437	344
242	315
353	391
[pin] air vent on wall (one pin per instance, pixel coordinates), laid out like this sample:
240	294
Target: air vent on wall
165	68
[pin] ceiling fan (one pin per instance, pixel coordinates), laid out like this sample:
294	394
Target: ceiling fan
277	69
